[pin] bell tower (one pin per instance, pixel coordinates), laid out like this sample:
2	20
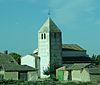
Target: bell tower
49	47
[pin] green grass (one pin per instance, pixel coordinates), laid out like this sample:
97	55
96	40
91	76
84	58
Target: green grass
12	82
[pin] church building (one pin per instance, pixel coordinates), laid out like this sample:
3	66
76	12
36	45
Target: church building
53	54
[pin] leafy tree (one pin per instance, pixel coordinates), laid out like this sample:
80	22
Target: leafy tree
94	57
98	59
16	57
51	69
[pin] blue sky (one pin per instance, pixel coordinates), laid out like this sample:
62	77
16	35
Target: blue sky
20	21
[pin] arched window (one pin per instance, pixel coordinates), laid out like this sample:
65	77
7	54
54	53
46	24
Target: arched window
44	36
41	36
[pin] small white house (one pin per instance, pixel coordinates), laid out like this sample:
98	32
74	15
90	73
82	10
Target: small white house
32	60
28	60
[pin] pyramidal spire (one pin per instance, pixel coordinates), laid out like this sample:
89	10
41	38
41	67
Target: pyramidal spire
49	26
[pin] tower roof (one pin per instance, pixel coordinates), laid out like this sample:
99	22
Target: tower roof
49	26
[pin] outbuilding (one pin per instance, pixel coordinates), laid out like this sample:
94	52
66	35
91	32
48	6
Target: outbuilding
78	72
10	70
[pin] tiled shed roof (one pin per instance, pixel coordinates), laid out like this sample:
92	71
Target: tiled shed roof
7	59
77	66
16	68
8	63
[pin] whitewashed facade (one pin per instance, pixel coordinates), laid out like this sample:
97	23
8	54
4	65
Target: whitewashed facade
28	60
49	46
31	60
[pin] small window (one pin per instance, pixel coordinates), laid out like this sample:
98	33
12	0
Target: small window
55	35
44	36
41	36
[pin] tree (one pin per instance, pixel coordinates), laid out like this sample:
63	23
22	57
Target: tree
98	59
94	57
51	69
16	57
